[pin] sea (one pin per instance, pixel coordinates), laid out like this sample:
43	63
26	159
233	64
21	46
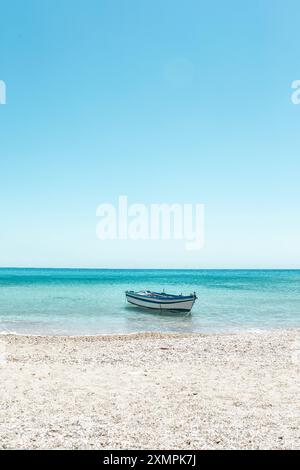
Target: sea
92	301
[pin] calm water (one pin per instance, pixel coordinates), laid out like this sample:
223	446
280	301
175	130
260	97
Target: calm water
79	301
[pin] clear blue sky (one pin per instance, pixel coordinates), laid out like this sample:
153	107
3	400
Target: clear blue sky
163	101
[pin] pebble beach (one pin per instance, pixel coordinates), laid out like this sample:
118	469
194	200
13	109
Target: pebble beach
151	391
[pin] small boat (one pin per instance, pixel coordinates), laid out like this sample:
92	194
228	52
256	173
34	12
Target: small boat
161	301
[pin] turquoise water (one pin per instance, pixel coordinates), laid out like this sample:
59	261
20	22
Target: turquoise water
81	301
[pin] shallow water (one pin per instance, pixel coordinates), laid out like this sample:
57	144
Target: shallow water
82	301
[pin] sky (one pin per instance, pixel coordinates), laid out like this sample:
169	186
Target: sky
162	101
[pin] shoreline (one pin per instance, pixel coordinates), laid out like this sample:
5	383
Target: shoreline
154	334
151	390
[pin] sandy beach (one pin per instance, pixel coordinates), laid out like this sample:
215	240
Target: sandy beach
159	391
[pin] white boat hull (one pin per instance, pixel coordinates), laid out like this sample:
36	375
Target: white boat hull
183	305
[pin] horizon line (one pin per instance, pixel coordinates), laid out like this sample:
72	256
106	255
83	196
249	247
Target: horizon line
149	269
